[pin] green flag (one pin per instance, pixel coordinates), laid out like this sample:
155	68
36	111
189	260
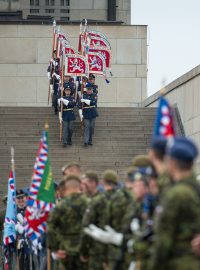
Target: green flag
46	191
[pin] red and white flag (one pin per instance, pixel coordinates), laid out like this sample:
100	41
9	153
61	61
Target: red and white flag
96	63
76	65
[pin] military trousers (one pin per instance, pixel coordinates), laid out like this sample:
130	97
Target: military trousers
89	125
55	102
67	131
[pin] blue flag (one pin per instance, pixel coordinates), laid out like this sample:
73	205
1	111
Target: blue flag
9	236
164	124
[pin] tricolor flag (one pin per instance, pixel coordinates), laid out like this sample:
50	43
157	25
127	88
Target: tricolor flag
164	125
9	235
41	196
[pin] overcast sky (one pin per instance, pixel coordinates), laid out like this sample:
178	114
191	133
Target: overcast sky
173	37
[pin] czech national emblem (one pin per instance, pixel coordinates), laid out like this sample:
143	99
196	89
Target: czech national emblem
99	42
105	53
76	65
96	63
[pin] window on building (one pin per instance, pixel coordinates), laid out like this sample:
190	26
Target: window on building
64	3
34	11
49	10
47	2
52	2
34	2
64	10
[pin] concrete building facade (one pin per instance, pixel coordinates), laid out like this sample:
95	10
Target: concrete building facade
25	51
184	93
69	9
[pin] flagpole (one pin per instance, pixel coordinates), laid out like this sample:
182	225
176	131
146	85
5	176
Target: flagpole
53	44
48	259
61	104
12	150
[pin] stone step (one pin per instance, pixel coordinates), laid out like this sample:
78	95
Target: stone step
120	134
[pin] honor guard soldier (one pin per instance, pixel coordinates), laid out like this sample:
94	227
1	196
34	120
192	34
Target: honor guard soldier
53	72
91	81
23	248
90	113
69	82
67	117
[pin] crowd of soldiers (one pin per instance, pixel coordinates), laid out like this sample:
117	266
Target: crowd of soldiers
80	92
148	221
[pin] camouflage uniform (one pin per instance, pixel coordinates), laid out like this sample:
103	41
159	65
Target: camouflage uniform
64	230
96	213
178	220
121	210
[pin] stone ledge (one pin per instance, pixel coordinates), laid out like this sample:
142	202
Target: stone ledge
173	85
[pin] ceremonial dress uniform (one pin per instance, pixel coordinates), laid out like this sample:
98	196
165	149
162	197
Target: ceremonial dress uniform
89	116
68	118
53	72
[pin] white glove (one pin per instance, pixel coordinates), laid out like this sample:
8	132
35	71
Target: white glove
130	244
66	102
60	117
54	256
51	88
19	228
132	266
115	238
109	236
20	218
80	114
56	75
134	225
86	101
49	75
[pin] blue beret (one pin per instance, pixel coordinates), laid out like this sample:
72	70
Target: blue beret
159	143
183	149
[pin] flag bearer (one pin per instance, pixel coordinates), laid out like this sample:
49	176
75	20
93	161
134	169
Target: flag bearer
67	116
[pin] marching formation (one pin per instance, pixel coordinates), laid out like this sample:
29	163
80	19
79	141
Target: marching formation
72	79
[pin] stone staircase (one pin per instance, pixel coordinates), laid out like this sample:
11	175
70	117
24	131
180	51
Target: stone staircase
120	134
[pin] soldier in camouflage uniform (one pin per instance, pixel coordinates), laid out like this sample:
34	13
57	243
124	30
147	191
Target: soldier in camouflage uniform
92	251
178	218
64	226
126	219
96	213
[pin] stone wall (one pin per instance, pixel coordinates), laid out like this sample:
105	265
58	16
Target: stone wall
90	9
185	93
26	49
